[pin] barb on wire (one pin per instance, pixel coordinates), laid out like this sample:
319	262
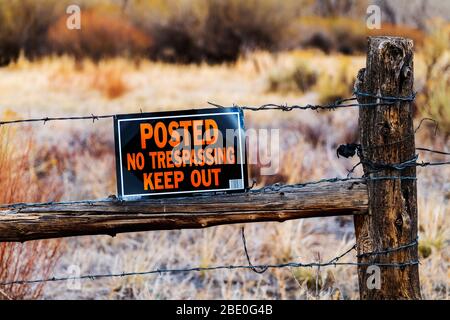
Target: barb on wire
426	164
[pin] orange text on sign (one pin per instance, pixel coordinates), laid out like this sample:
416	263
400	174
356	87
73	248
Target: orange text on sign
204	132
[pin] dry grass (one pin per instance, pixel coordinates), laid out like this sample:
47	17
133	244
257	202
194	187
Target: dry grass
110	83
338	85
84	154
434	236
108	79
35	258
300	78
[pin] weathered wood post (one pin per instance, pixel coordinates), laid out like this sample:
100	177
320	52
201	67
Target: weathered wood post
387	137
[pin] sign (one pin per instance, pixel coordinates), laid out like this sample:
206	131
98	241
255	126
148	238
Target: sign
180	153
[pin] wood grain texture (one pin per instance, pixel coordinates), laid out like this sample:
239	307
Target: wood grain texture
387	137
41	221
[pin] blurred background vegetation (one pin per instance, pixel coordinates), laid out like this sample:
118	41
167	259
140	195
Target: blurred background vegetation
203	30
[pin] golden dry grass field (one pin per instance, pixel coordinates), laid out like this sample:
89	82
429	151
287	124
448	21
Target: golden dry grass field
75	160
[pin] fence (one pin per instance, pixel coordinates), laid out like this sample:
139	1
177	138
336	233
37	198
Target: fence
383	201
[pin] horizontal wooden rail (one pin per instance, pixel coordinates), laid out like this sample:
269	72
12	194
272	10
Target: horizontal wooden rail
42	221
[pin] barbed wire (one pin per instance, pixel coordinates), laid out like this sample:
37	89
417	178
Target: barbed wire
433	151
44	120
436	125
276	187
261	268
386	98
375	167
351	149
413	243
339	103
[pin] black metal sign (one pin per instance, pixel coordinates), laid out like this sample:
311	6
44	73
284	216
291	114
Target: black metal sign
180	153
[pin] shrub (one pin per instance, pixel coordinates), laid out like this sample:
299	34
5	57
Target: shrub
348	36
300	78
333	8
339	34
23	25
178	39
320	40
348	42
232	26
212	30
185	31
35	258
425	250
101	35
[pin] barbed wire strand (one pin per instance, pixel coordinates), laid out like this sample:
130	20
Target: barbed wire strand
262	270
256	268
340	103
48	119
433	151
413	243
276	187
436	125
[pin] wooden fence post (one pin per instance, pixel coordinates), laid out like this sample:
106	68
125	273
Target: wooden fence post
387	137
